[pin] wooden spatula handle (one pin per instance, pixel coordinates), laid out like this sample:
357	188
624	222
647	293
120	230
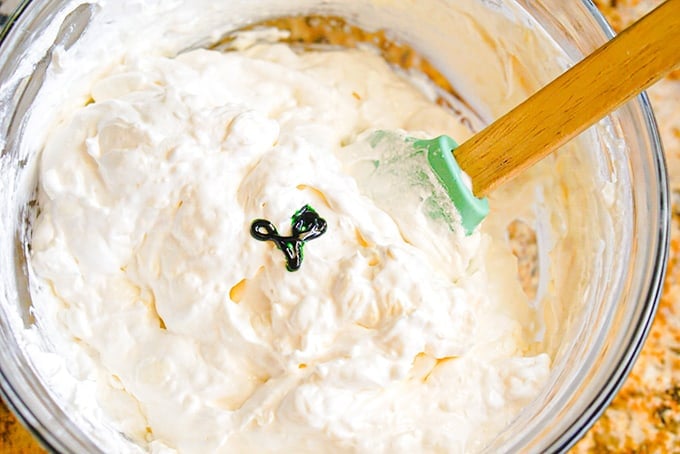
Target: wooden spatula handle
614	73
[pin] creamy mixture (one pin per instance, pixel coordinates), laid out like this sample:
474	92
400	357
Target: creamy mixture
397	333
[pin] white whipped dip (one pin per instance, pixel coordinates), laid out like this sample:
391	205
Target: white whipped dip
396	334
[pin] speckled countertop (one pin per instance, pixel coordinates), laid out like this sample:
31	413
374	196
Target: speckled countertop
645	415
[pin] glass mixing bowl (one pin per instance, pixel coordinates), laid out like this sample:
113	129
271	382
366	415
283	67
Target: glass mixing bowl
599	258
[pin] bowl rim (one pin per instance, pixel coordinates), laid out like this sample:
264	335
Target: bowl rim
654	288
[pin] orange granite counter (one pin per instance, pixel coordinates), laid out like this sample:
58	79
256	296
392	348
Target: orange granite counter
645	416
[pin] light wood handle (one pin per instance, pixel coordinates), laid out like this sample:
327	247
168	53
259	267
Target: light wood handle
614	73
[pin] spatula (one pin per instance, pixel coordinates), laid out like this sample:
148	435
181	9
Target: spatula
614	73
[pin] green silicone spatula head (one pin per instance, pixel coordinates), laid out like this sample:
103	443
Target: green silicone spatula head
614	73
439	152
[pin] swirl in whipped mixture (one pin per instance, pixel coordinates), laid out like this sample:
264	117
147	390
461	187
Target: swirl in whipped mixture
406	336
